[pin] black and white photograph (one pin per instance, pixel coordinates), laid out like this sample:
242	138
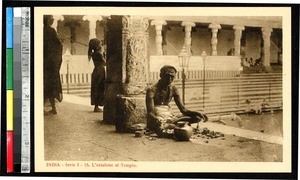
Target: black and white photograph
162	89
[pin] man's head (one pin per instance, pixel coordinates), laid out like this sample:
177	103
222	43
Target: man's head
167	74
48	20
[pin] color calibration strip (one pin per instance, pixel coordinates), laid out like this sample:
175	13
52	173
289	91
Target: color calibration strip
9	90
25	66
18	89
17	84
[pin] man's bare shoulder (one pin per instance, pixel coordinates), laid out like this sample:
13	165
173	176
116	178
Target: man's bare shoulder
174	89
152	87
151	90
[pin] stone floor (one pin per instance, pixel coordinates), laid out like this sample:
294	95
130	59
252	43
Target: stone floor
76	133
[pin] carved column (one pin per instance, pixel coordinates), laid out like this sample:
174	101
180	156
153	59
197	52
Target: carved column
127	70
214	39
237	39
92	24
135	54
131	107
187	39
266	34
158	28
56	19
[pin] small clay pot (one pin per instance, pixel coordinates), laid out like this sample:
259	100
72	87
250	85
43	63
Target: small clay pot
183	132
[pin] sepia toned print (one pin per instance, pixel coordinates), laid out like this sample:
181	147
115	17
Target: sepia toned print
131	76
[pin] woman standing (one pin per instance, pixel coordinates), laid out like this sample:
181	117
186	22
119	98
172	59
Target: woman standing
98	75
52	64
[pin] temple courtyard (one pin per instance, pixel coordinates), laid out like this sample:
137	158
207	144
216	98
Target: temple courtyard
76	133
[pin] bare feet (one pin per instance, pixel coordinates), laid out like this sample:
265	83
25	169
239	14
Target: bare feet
97	109
47	113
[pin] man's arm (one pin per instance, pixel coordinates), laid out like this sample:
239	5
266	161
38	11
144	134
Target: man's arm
182	108
150	104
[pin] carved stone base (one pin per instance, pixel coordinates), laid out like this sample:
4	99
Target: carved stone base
131	111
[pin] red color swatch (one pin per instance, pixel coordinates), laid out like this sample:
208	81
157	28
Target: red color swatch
10	151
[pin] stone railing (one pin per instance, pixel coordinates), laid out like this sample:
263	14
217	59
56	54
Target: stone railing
212	67
79	69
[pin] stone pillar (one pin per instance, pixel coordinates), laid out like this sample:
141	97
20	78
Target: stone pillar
56	19
92	24
73	26
104	21
131	107
214	39
266	34
237	39
187	39
127	70
158	28
135	54
113	84
279	35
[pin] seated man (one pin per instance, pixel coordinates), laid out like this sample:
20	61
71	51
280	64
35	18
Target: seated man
158	97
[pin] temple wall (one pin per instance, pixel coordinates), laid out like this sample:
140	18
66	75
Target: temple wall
201	39
221	63
175	40
274	48
82	36
225	41
252	49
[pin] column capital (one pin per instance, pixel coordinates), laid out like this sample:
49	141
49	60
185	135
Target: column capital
266	34
58	17
188	24
214	26
92	24
266	31
92	18
158	22
158	27
134	24
237	39
238	27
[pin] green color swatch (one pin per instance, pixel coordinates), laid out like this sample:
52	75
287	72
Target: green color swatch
9	68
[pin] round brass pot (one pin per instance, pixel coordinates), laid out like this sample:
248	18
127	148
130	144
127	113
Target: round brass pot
183	131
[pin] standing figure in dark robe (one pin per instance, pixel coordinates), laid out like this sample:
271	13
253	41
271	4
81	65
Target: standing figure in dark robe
52	63
98	75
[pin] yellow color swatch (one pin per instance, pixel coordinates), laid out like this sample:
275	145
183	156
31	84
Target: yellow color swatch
9	109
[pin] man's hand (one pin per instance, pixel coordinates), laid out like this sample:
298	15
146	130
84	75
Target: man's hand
204	117
200	115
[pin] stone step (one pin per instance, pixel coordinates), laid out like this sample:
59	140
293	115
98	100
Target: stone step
229	101
78	92
223	110
274	101
234	91
234	81
77	87
259	85
230	84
